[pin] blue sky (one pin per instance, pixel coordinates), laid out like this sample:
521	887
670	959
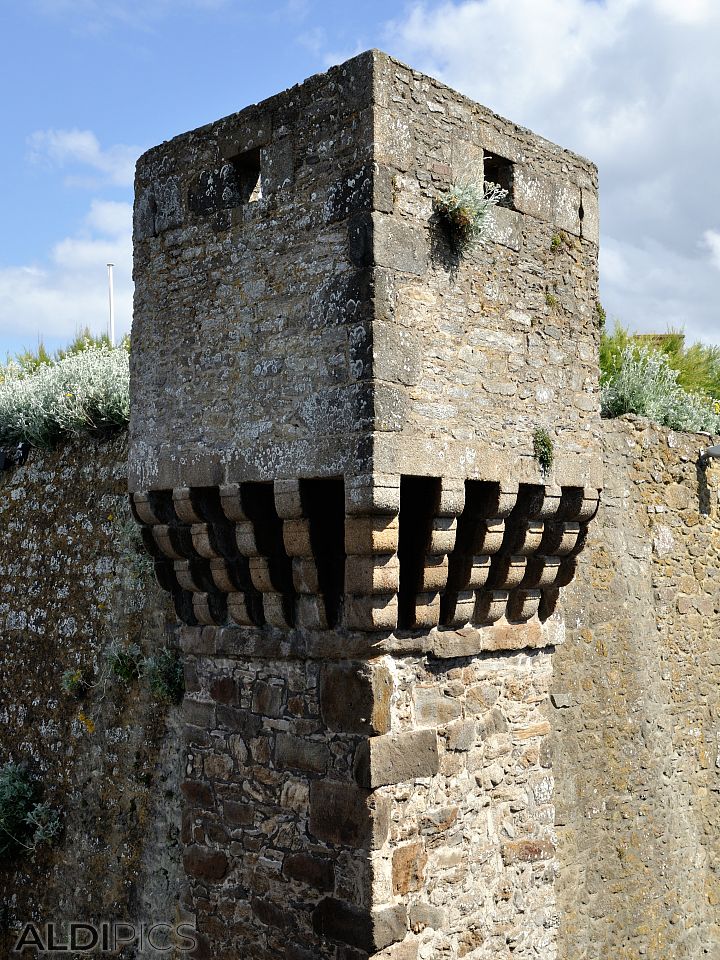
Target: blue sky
89	84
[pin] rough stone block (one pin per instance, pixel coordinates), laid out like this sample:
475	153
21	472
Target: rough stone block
267	699
270	913
527	851
433	708
238	814
355	697
224	690
314	871
408	868
198	793
297	753
343	814
205	864
395	758
422	915
461	735
240	721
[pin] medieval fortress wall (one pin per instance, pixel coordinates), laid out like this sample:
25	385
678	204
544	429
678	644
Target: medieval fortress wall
629	733
331	462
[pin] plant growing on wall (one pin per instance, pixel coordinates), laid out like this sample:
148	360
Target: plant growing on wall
463	209
73	683
164	673
543	450
25	823
125	663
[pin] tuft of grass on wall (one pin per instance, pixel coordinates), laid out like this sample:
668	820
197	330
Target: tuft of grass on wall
543	449
24	822
464	207
165	674
83	389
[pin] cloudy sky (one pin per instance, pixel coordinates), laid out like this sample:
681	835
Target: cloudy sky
89	84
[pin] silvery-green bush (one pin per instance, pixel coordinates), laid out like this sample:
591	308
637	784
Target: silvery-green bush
644	383
87	391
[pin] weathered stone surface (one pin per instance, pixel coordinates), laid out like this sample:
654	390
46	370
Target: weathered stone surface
634	752
111	763
355	697
205	864
317	872
408	868
300	754
342	813
395	758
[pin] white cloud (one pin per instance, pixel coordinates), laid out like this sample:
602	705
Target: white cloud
635	85
711	240
81	148
70	291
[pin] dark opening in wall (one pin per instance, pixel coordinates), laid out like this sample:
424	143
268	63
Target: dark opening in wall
498	170
323	503
259	504
247	167
419	501
480	500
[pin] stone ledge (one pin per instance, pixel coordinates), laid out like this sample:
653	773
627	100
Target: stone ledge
268	643
396	758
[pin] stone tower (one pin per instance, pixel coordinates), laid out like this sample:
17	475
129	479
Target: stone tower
332	456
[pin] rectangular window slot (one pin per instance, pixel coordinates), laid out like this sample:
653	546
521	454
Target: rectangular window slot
323	502
259	504
500	171
419	501
247	167
480	496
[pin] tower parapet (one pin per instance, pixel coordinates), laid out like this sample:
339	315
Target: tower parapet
333	458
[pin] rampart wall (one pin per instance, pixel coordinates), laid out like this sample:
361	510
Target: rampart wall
72	584
636	721
634	743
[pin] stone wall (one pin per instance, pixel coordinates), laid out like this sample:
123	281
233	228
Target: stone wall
399	807
72	583
634	749
636	715
323	325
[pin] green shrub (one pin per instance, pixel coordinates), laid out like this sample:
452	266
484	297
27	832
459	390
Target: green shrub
643	382
125	663
463	209
543	449
85	390
697	366
72	683
164	672
25	823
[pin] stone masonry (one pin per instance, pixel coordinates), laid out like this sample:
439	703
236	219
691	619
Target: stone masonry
635	709
332	462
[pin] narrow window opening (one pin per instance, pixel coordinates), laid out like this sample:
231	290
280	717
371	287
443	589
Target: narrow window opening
500	171
248	172
323	503
258	501
480	496
419	501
